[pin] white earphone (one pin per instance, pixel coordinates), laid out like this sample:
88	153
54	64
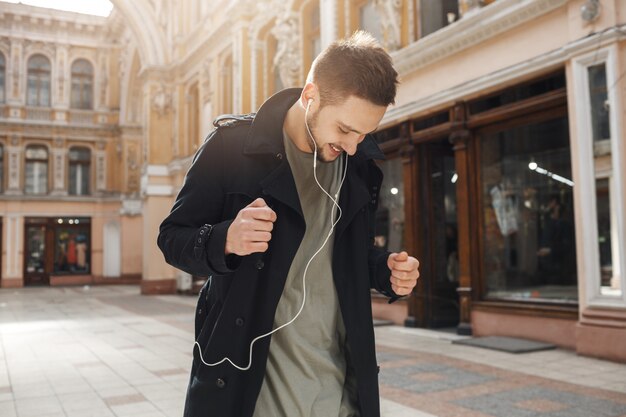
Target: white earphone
333	222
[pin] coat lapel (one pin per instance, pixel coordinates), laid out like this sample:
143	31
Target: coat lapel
280	185
354	196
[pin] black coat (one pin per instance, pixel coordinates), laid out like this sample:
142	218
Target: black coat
241	161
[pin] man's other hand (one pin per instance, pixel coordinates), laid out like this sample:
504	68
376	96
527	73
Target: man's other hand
404	272
251	230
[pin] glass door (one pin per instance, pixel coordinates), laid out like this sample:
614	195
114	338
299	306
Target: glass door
35	272
440	268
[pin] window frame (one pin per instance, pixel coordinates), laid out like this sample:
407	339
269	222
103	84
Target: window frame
3	78
86	162
84	80
585	178
39	72
47	162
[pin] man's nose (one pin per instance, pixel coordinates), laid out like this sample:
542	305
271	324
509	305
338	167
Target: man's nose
350	148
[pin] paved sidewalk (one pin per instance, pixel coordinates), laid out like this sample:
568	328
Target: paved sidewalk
107	351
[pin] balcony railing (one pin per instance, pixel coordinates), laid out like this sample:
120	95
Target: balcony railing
39	114
82	117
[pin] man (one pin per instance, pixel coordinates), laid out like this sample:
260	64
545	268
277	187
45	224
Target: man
278	210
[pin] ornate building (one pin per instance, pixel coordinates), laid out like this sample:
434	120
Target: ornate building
505	160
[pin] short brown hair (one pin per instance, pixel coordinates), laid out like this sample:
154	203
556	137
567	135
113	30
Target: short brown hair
356	66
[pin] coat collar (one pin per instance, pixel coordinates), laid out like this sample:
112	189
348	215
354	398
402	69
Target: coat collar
266	133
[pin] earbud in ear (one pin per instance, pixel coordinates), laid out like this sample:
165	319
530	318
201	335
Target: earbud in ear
308	103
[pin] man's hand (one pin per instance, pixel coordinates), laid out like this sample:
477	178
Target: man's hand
404	273
251	230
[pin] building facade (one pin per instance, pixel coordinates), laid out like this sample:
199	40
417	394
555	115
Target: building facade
505	157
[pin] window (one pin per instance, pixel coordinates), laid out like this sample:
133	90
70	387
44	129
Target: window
72	253
529	249
36	170
80	167
369	19
38	88
436	14
390	214
2	79
82	85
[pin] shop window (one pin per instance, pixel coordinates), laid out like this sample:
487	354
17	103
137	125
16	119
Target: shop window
529	250
82	85
36	170
38	84
389	231
72	237
80	168
436	14
2	79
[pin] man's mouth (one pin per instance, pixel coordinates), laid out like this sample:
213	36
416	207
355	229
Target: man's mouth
336	149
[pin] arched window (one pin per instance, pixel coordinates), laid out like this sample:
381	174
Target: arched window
38	90
36	170
80	164
2	79
82	85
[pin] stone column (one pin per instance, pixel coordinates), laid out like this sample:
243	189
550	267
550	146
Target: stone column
59	162
15	155
156	188
460	137
16	75
329	22
101	168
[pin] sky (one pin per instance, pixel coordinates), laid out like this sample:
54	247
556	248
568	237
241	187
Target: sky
95	7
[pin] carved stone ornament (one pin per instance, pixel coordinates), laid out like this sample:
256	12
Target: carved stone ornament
390	12
15	140
58	142
287	58
161	101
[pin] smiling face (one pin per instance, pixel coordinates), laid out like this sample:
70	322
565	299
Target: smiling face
339	128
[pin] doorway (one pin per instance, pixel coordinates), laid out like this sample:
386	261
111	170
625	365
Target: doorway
36	253
438	212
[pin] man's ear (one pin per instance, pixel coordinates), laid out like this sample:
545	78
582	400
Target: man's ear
310	94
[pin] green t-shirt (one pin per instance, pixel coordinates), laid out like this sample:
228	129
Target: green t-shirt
306	374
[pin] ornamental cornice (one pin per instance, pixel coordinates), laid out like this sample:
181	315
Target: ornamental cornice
488	22
536	65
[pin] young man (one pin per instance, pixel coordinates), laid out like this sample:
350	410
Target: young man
277	210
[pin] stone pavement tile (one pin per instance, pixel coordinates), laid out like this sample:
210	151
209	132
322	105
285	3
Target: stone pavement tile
34	390
448	387
80	402
124	399
7	409
38	407
390	408
93	412
118	391
135	409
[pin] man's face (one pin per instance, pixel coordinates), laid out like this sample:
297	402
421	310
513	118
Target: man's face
339	128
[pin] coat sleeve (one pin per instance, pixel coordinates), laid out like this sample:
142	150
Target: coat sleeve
183	240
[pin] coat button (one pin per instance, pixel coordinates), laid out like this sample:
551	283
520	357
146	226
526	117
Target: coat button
239	321
279	155
260	264
220	383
